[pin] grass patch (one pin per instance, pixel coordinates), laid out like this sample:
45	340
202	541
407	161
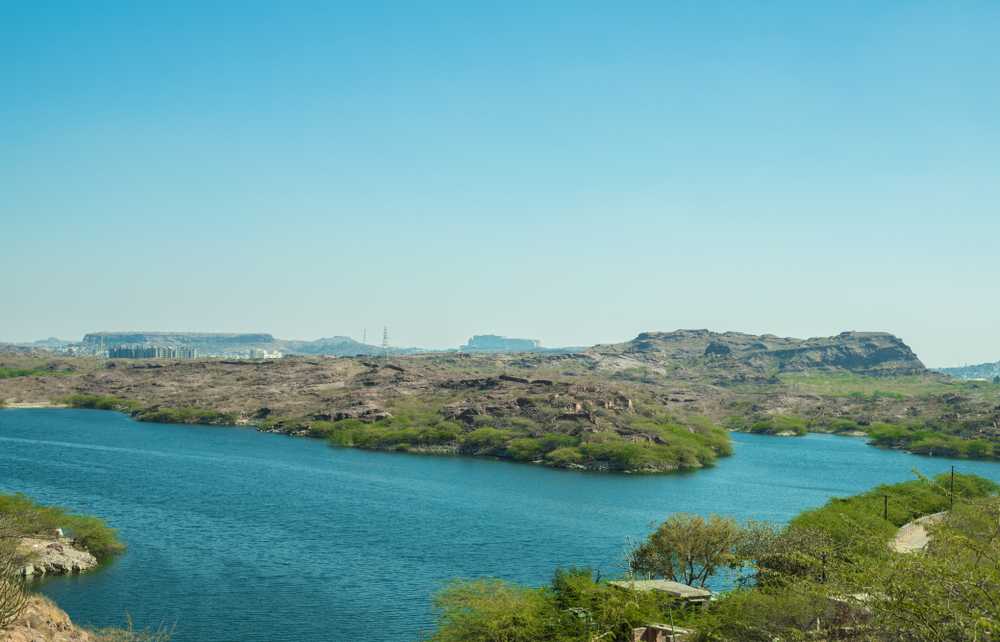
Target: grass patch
867	387
11	373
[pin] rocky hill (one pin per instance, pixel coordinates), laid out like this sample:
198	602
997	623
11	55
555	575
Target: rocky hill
748	356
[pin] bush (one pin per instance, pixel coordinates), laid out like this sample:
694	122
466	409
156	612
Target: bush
485	441
525	449
185	415
779	424
493	611
100	402
565	456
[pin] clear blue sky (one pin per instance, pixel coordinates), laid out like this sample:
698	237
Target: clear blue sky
575	172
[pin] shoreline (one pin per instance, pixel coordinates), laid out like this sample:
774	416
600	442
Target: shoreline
28	405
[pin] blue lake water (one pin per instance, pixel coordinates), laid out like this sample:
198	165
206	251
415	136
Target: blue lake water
238	535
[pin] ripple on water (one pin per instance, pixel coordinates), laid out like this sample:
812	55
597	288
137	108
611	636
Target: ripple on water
237	535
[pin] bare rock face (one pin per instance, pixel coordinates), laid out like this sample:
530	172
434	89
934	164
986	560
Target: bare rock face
54	557
43	621
870	353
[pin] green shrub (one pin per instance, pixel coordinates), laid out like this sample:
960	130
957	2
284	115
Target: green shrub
565	456
185	415
100	402
779	424
843	425
525	448
486	440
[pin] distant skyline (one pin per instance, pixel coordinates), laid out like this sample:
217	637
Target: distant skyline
574	172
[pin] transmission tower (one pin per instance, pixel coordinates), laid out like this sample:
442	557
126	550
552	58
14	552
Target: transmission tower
385	341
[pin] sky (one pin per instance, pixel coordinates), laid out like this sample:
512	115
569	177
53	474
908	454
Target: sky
575	172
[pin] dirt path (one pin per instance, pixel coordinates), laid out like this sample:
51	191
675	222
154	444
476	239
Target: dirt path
913	536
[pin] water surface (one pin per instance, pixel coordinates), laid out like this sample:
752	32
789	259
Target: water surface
239	535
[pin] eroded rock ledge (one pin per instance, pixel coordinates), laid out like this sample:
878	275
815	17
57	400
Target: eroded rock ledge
43	621
56	556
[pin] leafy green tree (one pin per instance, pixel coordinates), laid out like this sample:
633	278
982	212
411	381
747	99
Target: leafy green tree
493	611
688	549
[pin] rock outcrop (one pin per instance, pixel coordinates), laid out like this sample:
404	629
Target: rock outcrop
53	557
43	621
869	353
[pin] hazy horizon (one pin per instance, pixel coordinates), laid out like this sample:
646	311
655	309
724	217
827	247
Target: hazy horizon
375	338
573	176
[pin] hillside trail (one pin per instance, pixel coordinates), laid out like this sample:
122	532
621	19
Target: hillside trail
913	536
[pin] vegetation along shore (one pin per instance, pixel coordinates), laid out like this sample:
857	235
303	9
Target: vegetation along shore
37	541
829	574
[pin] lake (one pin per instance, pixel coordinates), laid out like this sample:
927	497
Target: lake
239	535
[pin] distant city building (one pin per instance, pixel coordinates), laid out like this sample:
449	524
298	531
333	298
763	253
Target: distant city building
496	343
140	351
260	353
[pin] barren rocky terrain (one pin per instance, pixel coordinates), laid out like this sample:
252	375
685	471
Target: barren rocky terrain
654	404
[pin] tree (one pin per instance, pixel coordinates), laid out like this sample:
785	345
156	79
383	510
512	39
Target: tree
492	611
688	549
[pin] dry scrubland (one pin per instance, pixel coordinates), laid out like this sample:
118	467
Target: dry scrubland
659	403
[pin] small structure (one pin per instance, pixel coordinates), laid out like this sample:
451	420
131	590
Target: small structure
661	633
683	592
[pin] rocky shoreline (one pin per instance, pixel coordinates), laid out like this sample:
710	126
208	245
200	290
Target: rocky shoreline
55	556
43	621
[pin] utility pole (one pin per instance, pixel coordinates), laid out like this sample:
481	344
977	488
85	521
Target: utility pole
952	488
885	507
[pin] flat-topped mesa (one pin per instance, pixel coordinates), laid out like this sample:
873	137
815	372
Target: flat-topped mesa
870	353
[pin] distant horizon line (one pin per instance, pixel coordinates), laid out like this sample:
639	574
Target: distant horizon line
444	349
